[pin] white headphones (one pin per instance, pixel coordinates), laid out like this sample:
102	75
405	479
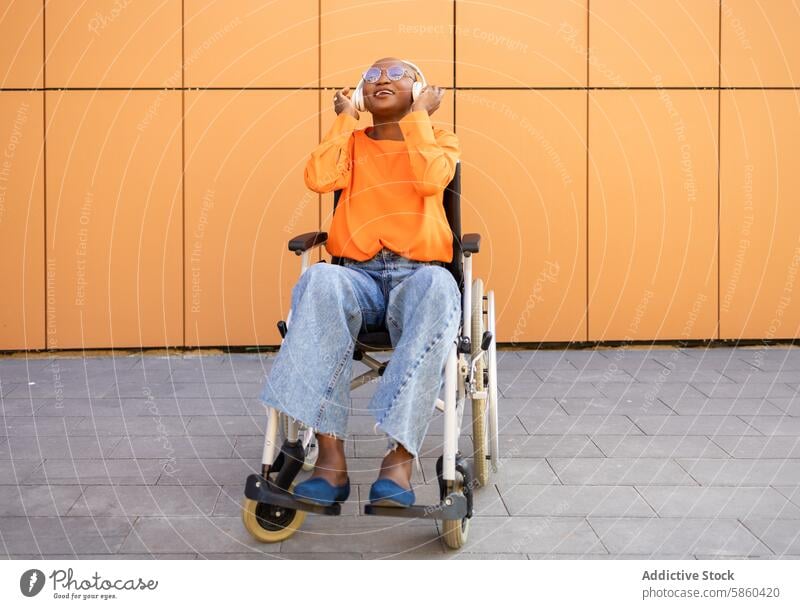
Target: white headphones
416	88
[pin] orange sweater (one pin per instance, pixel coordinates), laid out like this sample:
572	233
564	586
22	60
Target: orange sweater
392	190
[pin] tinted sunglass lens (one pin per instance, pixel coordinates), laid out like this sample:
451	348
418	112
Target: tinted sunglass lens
372	75
395	72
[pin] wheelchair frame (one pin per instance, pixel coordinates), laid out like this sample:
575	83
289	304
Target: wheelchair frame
273	494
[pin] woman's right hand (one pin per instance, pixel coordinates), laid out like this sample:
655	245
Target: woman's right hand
343	103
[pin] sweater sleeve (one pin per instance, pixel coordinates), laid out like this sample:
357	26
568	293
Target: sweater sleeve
433	152
328	168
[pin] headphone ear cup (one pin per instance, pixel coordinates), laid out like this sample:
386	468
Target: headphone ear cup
416	89
358	97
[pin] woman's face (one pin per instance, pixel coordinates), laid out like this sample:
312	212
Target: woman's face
388	97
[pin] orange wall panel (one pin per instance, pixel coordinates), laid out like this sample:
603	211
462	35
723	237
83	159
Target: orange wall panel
517	43
22	309
245	198
21	44
524	191
760	43
652	215
114	201
760	215
113	43
653	43
252	43
354	33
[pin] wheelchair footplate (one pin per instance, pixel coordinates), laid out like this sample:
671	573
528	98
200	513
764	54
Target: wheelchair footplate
265	490
453	507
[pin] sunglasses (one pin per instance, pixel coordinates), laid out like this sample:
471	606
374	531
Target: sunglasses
395	72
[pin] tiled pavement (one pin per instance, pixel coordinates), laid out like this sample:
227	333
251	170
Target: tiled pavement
606	453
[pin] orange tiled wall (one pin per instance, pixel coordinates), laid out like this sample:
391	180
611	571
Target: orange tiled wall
631	164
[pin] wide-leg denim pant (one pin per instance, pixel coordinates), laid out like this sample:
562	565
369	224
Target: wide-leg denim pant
420	304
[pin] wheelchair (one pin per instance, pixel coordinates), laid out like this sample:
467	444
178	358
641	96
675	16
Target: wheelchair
269	510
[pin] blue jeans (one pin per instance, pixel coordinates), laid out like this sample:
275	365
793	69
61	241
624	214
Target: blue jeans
420	305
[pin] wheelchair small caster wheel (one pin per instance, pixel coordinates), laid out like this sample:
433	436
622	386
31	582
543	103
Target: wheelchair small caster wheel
455	532
270	523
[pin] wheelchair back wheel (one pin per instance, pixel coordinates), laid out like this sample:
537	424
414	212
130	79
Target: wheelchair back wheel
479	410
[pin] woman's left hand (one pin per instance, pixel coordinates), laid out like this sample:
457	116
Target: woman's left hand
429	99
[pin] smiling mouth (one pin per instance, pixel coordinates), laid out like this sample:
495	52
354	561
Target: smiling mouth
384	93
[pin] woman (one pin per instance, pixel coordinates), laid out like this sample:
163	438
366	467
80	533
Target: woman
392	234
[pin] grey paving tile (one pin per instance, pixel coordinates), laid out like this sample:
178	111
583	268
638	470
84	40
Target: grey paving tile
37	500
719	502
693	425
614	406
188	407
79	407
55	447
399	536
96	471
757	447
509	360
157	447
134	389
556	445
792	493
20	407
642	470
190	534
222	374
743	472
789	406
38	426
745	390
266	555
131	426
207	471
59	535
449	555
568	500
559	535
16	470
649	391
538	389
227	425
50	387
140	500
782	425
588	424
109	556
763	377
510	471
692	375
632	446
782	536
586	376
678	536
726	406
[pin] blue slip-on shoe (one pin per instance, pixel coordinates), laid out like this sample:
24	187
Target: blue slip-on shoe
321	492
387	492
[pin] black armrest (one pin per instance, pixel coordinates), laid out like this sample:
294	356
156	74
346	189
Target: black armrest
306	241
471	243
